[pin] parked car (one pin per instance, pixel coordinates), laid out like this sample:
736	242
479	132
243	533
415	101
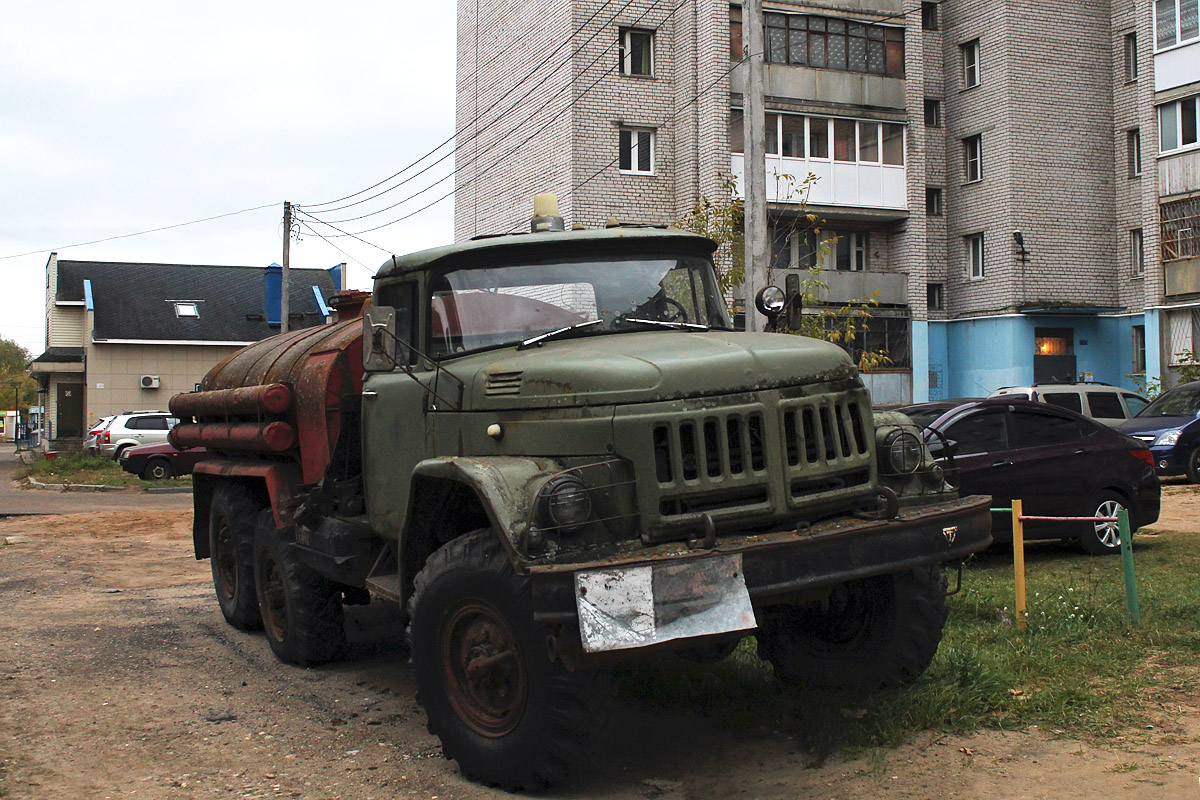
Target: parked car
1170	428
1057	462
1109	404
155	462
91	445
132	428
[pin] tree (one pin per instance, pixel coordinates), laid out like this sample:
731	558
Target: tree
723	221
13	360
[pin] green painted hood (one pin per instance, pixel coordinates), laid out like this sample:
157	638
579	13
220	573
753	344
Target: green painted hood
644	366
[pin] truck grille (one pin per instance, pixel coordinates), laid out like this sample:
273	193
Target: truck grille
805	450
503	383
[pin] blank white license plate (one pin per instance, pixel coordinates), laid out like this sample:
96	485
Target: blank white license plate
625	607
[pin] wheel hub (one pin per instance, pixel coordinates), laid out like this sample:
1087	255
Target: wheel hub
483	669
1109	533
275	612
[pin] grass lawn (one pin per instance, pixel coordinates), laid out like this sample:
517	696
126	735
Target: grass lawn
78	468
1081	668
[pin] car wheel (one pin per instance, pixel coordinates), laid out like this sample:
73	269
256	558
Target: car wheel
1193	466
504	709
117	453
1104	538
157	469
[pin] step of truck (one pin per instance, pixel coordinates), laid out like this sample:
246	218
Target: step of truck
387	586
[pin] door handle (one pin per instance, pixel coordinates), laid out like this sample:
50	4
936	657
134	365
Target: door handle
1002	464
369	393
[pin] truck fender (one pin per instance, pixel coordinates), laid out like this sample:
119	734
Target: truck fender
505	486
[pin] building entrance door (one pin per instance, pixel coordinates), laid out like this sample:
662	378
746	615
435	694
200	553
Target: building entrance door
1054	355
70	411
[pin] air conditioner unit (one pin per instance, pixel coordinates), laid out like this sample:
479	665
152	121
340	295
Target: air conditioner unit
149	381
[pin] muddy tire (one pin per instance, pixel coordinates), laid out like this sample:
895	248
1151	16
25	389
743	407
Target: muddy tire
301	609
1103	538
231	553
869	634
505	711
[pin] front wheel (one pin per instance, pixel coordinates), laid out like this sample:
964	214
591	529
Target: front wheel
158	469
503	709
868	634
1193	466
301	609
1103	538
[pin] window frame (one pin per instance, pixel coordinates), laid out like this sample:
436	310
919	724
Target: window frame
816	35
1177	39
1133	152
1131	56
635	133
972	74
976	256
1137	252
929	16
935	296
626	51
935	201
973	155
1177	127
935	105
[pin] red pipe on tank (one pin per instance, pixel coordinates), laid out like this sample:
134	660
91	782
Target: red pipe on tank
274	437
271	398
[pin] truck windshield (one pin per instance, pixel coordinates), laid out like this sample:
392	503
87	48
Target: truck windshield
486	307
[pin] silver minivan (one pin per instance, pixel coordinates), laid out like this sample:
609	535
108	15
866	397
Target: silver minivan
1102	402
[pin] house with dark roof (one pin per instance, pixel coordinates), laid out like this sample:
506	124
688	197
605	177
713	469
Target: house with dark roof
124	336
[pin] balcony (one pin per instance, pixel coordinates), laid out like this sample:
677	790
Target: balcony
853	185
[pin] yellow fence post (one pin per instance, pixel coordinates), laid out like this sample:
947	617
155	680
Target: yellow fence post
1018	536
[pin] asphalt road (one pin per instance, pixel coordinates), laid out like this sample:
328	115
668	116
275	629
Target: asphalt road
18	502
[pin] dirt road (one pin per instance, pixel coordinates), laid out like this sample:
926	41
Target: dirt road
119	678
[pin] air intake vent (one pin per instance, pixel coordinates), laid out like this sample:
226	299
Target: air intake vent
503	383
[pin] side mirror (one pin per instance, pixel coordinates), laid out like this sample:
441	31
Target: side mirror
379	339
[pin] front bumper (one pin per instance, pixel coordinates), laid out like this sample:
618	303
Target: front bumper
1170	460
776	565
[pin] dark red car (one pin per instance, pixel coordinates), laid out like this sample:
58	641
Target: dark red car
154	462
1057	462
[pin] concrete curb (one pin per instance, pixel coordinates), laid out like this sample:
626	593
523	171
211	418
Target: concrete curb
168	489
73	487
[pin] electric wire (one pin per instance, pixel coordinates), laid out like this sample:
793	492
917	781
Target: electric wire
486	111
475	157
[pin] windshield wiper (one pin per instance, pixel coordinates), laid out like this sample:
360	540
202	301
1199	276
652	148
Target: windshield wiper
541	337
662	323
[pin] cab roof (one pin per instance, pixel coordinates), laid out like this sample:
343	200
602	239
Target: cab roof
548	245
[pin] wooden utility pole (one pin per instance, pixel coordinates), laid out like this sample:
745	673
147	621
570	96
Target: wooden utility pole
754	121
286	281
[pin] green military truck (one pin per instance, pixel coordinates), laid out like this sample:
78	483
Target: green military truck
554	452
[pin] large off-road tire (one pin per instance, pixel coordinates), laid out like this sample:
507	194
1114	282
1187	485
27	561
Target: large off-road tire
231	553
502	708
301	609
1103	538
868	634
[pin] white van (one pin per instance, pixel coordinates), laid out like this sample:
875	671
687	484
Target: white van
1100	401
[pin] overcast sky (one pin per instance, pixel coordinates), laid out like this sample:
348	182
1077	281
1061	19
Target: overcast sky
127	116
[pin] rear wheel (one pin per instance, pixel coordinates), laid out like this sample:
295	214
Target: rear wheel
231	552
1103	538
301	609
503	709
157	469
868	634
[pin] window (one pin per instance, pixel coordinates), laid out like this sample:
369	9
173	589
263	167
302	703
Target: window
637	52
1105	405
1175	22
933	113
637	151
935	296
402	297
1131	65
737	142
881	333
981	432
1178	124
1068	400
187	309
1179	229
843	140
1133	146
852	251
1137	252
975	265
1135	403
1036	428
933	201
853	140
807	40
970	60
792	249
736	50
929	16
1139	362
973	158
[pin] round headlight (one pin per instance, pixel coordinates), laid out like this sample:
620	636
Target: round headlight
903	453
568	503
770	300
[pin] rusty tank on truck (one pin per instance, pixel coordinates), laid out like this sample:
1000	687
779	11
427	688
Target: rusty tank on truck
553	452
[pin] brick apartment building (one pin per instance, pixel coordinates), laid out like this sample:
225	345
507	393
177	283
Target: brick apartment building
1020	182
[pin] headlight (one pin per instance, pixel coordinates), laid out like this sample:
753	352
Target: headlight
1169	438
902	453
568	503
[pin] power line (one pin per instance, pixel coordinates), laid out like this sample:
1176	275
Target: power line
315	233
486	111
138	233
479	154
